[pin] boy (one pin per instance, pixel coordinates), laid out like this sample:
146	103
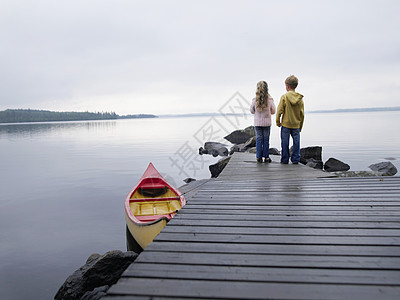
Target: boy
291	109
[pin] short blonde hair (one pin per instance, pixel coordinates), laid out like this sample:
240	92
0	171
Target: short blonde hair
292	81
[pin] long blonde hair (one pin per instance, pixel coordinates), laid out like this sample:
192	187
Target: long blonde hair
262	96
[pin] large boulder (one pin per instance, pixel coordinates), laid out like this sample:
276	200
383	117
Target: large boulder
99	271
217	168
241	136
307	153
386	168
334	165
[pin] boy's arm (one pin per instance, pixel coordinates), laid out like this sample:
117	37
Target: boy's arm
301	116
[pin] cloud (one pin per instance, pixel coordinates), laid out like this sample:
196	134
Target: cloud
182	56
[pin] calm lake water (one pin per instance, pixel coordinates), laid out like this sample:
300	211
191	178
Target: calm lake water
63	184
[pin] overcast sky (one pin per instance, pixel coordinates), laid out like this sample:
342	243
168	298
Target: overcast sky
166	57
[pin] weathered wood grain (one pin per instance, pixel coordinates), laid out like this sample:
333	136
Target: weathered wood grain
272	231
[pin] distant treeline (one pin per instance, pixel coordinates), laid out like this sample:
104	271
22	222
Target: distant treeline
370	109
30	115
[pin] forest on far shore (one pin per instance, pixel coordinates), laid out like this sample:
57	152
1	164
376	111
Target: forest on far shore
31	115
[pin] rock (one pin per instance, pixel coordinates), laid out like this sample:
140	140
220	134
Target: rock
215	149
96	294
239	148
241	136
386	168
357	173
251	142
252	150
251	130
187	180
307	153
214	153
99	270
235	148
202	151
333	165
315	164
223	151
217	168
274	151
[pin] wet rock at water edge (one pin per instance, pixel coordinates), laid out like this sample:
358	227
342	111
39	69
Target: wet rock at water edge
99	271
386	168
202	151
96	294
214	148
314	152
217	168
333	165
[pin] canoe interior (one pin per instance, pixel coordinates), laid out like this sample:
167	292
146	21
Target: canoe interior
154	208
165	203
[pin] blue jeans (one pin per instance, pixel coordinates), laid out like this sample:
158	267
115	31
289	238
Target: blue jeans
262	141
285	136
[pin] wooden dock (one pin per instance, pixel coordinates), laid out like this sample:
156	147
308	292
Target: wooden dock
273	231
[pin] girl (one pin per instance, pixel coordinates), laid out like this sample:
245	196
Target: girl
262	107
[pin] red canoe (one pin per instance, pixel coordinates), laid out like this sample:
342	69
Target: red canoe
150	205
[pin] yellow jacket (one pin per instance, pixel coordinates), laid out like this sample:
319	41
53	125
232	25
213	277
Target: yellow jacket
291	108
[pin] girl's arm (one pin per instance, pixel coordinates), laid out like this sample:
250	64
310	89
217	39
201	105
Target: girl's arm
272	105
252	107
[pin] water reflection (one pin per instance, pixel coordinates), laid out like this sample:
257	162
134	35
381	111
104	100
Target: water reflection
36	129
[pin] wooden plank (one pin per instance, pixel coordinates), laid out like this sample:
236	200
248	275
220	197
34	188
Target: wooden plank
208	211
274	260
318	223
278	239
264	274
292	216
235	213
303	207
249	290
225	203
218	247
283	231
